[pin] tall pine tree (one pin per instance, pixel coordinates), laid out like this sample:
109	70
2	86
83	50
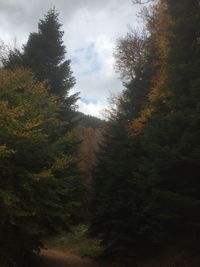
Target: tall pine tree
171	137
118	182
54	155
146	179
45	54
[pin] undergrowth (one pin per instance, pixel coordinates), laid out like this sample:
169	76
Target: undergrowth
77	242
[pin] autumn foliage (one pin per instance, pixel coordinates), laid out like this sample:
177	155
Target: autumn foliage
146	180
36	174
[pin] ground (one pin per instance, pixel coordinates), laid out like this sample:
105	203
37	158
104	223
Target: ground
77	249
54	258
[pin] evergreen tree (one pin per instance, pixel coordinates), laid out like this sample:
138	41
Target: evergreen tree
119	187
147	173
45	54
172	135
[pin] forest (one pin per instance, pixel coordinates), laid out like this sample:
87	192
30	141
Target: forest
126	189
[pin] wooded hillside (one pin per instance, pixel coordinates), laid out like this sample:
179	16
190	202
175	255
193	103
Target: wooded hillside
128	186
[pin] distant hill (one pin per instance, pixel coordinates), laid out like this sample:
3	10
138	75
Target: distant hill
88	121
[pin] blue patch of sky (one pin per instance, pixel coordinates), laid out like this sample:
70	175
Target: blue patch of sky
90	57
90	51
74	59
92	68
79	50
89	100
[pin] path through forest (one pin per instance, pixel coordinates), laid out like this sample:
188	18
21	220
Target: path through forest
54	258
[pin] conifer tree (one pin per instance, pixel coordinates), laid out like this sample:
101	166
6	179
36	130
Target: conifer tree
45	54
46	156
172	136
150	181
118	182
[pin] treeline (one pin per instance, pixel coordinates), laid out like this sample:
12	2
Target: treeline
146	179
40	185
145	184
88	121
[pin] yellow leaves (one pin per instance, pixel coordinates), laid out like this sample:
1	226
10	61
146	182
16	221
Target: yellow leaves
9	117
161	36
63	162
13	120
159	32
161	43
139	123
8	113
159	92
44	174
25	106
19	86
30	125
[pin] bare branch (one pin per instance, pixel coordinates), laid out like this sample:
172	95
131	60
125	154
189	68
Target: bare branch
129	54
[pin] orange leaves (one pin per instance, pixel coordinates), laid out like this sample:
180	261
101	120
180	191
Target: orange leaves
90	140
138	124
159	32
157	25
159	89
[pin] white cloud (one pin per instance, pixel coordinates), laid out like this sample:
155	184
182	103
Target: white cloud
91	28
94	109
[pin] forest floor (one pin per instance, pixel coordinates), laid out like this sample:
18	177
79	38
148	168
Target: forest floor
53	258
77	249
74	249
56	258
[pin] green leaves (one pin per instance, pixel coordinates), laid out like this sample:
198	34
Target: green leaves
38	178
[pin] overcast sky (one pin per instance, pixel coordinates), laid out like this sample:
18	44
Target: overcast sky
91	29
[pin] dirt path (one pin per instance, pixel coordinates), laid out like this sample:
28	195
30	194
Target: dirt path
53	258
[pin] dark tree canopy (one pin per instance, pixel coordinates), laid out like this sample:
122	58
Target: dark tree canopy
146	180
39	183
40	187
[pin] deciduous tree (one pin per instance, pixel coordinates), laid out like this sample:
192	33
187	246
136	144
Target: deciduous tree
39	185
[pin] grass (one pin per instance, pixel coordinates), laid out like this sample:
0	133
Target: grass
76	242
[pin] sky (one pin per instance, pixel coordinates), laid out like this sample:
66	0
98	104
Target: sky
91	29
